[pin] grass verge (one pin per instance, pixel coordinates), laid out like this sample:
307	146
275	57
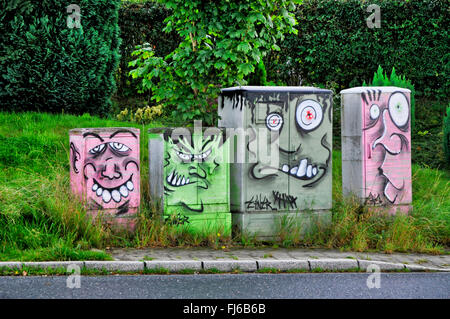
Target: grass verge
40	220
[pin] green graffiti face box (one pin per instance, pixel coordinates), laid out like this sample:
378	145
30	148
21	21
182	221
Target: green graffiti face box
189	177
281	157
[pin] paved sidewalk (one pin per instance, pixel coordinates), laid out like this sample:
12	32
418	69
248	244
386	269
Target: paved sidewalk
412	261
248	260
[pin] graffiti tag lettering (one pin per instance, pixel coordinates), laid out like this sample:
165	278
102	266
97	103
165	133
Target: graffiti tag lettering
177	219
286	200
373	200
259	203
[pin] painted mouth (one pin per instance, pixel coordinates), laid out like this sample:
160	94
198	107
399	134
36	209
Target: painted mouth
305	170
116	193
176	180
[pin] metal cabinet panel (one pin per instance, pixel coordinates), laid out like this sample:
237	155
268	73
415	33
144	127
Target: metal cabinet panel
310	144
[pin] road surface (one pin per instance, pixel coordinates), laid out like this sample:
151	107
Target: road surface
230	286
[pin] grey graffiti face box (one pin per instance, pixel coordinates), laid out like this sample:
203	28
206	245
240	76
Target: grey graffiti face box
281	157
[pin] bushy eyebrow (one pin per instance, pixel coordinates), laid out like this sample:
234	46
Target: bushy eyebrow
94	135
184	145
122	131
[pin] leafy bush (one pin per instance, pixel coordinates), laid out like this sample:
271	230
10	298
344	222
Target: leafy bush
259	77
141	115
221	44
446	135
380	78
141	23
48	64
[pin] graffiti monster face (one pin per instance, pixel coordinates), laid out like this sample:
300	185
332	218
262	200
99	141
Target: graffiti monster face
111	169
301	139
190	163
386	125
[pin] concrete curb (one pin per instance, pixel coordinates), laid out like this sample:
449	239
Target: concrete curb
363	264
115	265
175	265
283	265
326	264
230	265
333	264
52	264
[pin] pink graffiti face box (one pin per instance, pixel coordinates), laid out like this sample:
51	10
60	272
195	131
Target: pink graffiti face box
105	169
387	140
376	144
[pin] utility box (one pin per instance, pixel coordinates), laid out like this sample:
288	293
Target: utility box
105	173
376	146
189	178
281	158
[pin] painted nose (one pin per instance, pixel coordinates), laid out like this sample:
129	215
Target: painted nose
111	171
389	139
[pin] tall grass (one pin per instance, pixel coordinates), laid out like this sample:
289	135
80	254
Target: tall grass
426	229
41	220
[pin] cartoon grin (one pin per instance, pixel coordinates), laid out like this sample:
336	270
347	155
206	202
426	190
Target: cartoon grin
115	193
305	170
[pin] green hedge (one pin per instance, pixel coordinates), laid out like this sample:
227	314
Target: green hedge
334	46
446	136
47	66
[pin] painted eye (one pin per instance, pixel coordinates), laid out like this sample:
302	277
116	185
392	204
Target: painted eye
309	115
274	121
119	147
374	111
399	109
184	156
98	149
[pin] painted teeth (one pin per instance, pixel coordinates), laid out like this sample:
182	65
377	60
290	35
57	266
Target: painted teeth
130	185
175	180
202	155
123	191
303	170
309	171
114	194
106	196
302	167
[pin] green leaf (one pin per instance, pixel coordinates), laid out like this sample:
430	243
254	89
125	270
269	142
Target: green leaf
245	68
244	47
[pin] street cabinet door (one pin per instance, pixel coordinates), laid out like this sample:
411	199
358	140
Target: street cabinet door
105	172
189	176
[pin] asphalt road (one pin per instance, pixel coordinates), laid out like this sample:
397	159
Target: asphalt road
230	286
